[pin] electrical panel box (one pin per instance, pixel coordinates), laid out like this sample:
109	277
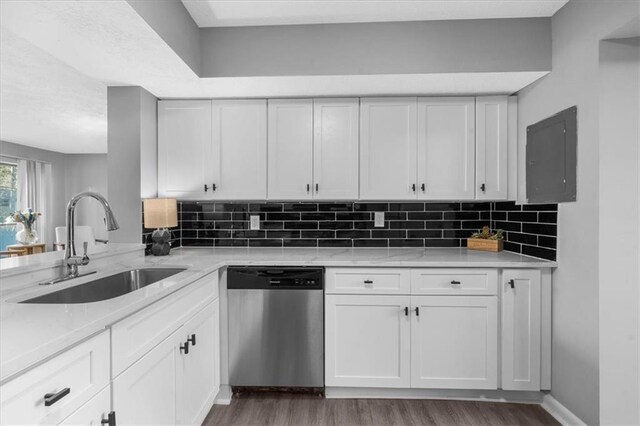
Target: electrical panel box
551	158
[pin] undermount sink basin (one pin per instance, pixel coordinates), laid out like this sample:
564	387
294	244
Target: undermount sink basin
107	287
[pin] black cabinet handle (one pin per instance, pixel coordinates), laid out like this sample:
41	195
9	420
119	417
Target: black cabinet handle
417	311
413	187
308	187
512	283
206	187
192	339
455	282
213	187
52	398
185	348
110	420
368	282
316	187
423	187
482	187
406	311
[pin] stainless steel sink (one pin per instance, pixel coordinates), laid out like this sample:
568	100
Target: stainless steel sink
107	287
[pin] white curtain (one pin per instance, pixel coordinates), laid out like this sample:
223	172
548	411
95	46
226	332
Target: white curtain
34	190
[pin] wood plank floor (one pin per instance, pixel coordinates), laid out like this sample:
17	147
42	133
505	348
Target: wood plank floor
302	410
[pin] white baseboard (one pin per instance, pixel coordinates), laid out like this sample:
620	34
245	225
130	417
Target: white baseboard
224	395
459	394
560	412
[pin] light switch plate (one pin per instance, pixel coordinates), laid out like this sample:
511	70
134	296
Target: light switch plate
254	222
378	219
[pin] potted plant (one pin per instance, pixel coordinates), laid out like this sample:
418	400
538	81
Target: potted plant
27	218
486	240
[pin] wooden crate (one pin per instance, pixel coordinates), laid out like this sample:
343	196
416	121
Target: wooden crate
484	245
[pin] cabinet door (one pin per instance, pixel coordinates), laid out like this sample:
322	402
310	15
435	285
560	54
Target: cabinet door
290	146
335	149
454	342
491	148
146	392
367	341
239	149
196	383
388	149
446	148
93	412
184	149
521	330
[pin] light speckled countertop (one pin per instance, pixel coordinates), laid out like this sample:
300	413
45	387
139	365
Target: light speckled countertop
31	333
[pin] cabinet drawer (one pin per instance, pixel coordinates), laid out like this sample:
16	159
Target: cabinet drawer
454	281
367	281
84	370
136	335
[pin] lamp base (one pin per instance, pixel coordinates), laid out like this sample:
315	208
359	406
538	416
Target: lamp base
160	246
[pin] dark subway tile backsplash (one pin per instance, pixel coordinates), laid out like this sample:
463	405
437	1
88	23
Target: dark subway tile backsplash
528	229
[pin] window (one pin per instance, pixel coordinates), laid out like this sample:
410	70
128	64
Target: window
8	202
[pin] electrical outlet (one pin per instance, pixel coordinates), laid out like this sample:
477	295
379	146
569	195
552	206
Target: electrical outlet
254	222
378	219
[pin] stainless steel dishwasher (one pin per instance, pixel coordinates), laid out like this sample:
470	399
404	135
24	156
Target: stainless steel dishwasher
276	333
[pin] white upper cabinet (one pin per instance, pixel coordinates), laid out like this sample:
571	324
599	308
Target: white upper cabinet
491	144
335	149
521	329
388	148
446	148
239	162
290	144
184	149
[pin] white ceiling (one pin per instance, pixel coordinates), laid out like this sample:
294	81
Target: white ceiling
230	13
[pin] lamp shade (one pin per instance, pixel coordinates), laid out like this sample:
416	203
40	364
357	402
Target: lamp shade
160	213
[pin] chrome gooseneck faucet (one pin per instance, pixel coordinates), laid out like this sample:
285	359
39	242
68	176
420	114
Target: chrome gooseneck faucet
71	259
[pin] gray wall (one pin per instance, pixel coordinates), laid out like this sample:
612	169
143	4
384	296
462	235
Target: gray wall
131	115
71	174
88	172
171	20
490	45
577	29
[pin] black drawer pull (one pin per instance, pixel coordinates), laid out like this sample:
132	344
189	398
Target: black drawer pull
52	398
110	420
185	348
368	282
192	339
454	282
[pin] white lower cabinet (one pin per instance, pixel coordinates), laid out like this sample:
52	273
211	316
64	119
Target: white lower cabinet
367	340
146	392
93	412
521	329
52	391
175	382
423	332
197	384
454	342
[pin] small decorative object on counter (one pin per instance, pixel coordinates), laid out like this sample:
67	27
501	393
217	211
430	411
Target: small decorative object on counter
486	240
27	218
161	213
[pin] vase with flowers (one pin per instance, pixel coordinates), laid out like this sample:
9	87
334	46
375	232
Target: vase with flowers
27	218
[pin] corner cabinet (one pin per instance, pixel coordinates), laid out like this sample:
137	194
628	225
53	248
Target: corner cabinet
185	149
435	328
313	149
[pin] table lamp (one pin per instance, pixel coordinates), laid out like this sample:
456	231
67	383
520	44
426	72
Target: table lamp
160	213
